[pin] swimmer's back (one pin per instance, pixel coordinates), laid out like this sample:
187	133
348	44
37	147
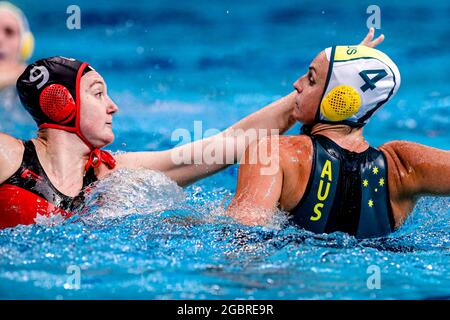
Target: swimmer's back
410	173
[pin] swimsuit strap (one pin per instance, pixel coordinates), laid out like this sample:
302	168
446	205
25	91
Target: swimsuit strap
31	176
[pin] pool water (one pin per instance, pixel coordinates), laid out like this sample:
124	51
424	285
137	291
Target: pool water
169	64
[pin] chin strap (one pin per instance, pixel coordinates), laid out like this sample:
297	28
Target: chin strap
97	157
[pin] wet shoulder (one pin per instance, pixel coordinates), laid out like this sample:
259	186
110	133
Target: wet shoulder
397	167
400	176
296	157
397	154
299	146
296	153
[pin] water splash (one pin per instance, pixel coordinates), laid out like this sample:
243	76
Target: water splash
133	191
144	237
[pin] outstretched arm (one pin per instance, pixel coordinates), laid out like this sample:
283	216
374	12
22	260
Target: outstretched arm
418	170
190	162
227	147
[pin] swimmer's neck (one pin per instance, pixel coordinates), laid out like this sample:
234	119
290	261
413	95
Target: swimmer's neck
64	154
345	136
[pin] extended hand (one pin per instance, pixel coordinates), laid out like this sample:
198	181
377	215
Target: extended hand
368	42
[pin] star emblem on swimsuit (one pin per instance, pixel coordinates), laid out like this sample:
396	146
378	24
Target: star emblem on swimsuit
370	203
381	182
365	183
375	170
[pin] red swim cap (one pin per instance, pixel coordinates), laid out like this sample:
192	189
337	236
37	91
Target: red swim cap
49	89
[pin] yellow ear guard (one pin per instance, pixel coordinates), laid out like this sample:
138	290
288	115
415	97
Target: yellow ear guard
27	46
340	103
359	81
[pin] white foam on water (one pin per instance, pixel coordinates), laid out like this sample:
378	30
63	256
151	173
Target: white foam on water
134	191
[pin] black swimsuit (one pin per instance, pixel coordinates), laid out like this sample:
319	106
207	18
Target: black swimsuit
29	192
346	192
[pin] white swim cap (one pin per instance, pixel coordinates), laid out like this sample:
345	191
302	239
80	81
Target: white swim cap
27	38
359	81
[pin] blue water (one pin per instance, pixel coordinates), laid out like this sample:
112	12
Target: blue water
170	63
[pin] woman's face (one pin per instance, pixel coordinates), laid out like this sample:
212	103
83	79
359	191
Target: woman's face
309	89
96	110
9	37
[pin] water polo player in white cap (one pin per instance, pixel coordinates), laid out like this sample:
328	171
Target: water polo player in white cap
328	178
16	43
